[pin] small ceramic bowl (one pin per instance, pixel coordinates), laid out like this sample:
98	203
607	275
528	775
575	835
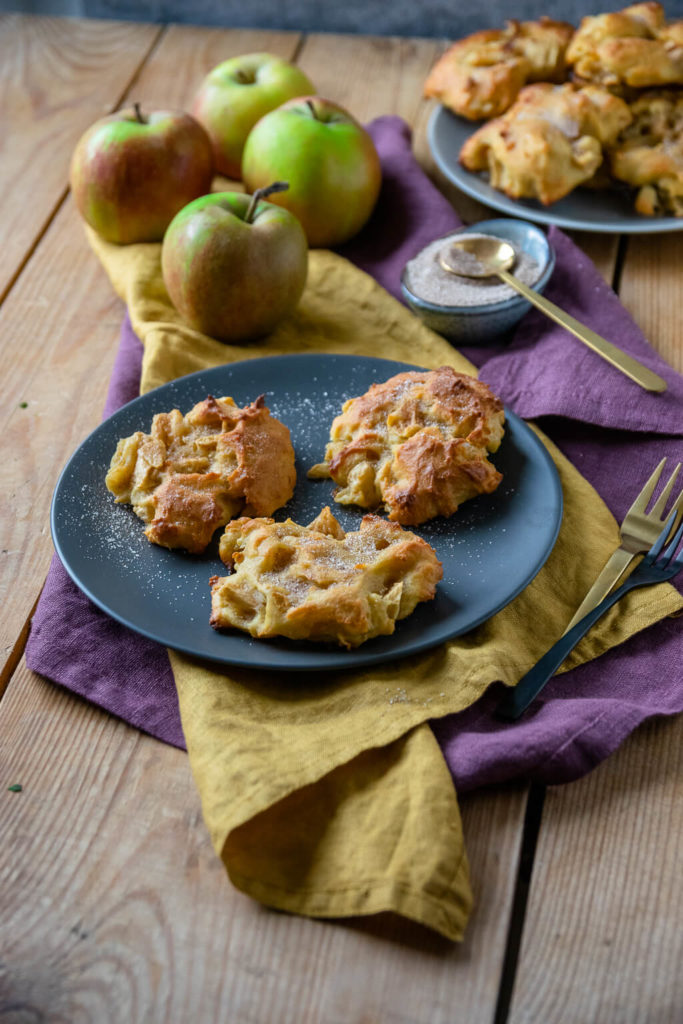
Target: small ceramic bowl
484	324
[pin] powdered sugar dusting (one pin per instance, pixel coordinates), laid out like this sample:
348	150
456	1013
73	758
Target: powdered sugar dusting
486	548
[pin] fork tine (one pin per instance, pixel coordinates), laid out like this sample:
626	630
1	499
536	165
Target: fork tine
640	504
678	508
660	504
671	550
653	553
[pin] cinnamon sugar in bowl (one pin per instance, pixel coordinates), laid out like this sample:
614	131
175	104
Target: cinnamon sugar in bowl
477	311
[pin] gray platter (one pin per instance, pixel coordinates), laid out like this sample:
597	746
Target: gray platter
608	212
491	549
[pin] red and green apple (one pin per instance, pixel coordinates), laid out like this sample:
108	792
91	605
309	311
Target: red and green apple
236	94
132	172
234	265
327	157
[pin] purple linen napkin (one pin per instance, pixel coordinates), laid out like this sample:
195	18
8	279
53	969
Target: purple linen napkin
590	389
584	714
75	644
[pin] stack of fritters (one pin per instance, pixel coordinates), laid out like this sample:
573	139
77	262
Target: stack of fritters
549	141
630	49
480	76
649	153
600	128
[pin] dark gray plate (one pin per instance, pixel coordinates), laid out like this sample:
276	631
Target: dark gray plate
583	209
490	549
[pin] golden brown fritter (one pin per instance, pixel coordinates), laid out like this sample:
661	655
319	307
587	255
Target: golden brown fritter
317	583
649	153
416	444
480	76
192	474
628	49
548	142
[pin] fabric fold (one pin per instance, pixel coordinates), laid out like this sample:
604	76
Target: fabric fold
541	370
357	825
355	761
590	390
261	745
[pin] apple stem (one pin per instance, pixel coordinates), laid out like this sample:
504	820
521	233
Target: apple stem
138	113
263	193
309	104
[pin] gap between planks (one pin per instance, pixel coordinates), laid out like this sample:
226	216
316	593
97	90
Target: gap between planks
56	77
60	200
17	651
536	795
205	47
528	835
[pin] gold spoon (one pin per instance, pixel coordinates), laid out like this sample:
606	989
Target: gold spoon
486	257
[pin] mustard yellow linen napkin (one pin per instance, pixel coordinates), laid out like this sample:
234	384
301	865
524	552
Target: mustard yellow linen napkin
330	797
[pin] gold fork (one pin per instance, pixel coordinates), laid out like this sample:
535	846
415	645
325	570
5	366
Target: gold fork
639	531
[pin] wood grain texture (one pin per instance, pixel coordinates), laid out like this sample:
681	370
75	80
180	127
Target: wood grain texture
56	78
370	76
115	910
116	906
60	327
602	249
603	940
113	906
61	322
174	71
651	291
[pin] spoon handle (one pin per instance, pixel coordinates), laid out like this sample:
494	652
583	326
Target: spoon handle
631	367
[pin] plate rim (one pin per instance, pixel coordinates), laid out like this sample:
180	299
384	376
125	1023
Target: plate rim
470	184
358	657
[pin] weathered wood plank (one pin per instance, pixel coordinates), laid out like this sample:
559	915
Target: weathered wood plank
57	76
370	76
115	907
651	291
60	325
106	836
603	939
176	68
61	322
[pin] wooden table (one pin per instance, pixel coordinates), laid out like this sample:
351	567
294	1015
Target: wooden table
113	905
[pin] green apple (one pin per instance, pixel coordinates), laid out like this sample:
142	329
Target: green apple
236	94
234	265
131	172
329	160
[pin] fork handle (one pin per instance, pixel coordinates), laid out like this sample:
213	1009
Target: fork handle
614	569
627	364
517	700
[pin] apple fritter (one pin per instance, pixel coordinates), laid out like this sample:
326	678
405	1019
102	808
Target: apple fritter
548	142
194	473
649	153
629	49
319	583
416	444
480	76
